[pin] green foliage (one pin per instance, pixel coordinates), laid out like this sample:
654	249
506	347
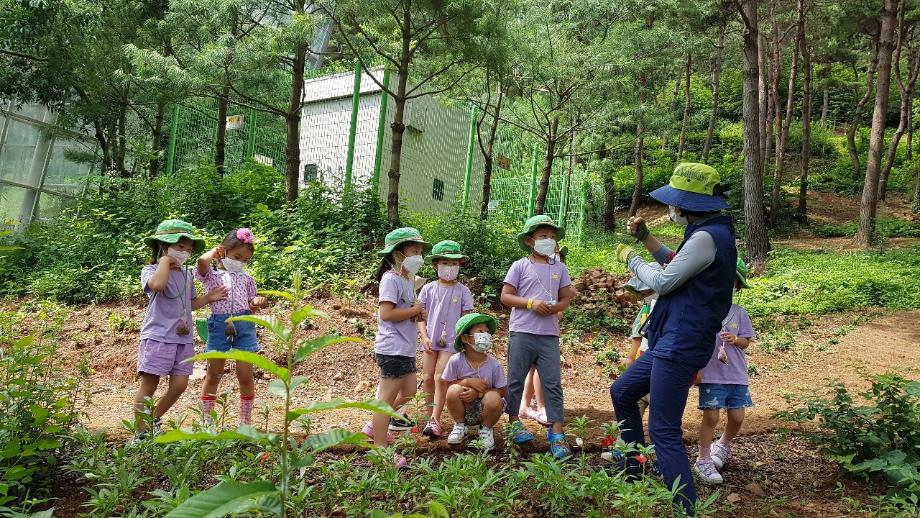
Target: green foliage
38	412
802	282
880	437
885	227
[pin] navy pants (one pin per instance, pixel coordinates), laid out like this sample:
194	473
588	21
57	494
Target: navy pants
667	383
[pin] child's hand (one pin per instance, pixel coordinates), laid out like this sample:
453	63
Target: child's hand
420	314
541	307
477	384
426	343
169	262
729	338
217	293
259	302
468	395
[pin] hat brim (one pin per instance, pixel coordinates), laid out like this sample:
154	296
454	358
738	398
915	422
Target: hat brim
171	239
388	249
689	200
560	234
489	321
742	280
453	257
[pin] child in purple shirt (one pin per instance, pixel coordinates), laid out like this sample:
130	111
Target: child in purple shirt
477	381
725	386
166	341
445	301
538	289
233	254
397	335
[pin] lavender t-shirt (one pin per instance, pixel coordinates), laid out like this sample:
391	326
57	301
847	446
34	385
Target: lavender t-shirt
458	368
167	308
737	322
396	338
445	305
538	282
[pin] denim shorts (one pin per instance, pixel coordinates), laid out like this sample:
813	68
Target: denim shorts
244	340
719	395
393	367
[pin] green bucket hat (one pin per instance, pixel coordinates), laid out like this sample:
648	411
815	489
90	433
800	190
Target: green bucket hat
469	320
400	236
692	187
172	230
540	220
741	270
447	249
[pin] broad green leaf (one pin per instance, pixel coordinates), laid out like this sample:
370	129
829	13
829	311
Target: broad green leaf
437	510
271	323
371	405
297	381
277	388
274	293
256	360
223	499
323	441
308	347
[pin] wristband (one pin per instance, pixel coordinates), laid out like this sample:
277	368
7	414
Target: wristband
641	232
529	304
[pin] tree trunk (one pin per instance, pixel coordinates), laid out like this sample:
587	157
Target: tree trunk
857	111
865	235
121	150
783	137
610	195
104	146
906	91
292	118
756	242
825	103
686	120
666	137
802	213
639	151
156	143
543	191
489	159
909	155
716	76
763	98
220	143
915	206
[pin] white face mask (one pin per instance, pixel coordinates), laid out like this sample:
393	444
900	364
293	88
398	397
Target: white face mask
413	264
448	272
233	266
482	342
545	247
179	255
676	217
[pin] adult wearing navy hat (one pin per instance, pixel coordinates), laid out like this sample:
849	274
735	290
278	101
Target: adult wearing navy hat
694	295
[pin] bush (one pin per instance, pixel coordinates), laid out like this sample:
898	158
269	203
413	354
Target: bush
886	228
881	437
38	411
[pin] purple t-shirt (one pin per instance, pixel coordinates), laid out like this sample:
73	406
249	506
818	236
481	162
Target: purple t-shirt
445	305
738	323
167	308
538	282
458	368
396	338
241	288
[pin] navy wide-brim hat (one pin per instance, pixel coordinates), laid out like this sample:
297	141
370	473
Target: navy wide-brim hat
692	187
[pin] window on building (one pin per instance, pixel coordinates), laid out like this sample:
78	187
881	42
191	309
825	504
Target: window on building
437	190
310	173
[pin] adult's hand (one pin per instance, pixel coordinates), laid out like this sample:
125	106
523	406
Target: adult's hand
637	228
624	253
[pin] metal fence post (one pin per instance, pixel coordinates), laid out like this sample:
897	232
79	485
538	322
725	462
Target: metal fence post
251	137
381	131
533	182
173	132
352	129
564	200
470	145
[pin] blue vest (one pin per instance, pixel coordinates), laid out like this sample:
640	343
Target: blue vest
684	323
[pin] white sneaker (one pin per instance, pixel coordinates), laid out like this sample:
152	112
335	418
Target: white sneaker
707	472
457	434
719	454
487	438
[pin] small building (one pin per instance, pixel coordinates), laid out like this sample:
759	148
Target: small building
434	150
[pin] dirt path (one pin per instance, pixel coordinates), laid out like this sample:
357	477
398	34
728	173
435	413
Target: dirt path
831	348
